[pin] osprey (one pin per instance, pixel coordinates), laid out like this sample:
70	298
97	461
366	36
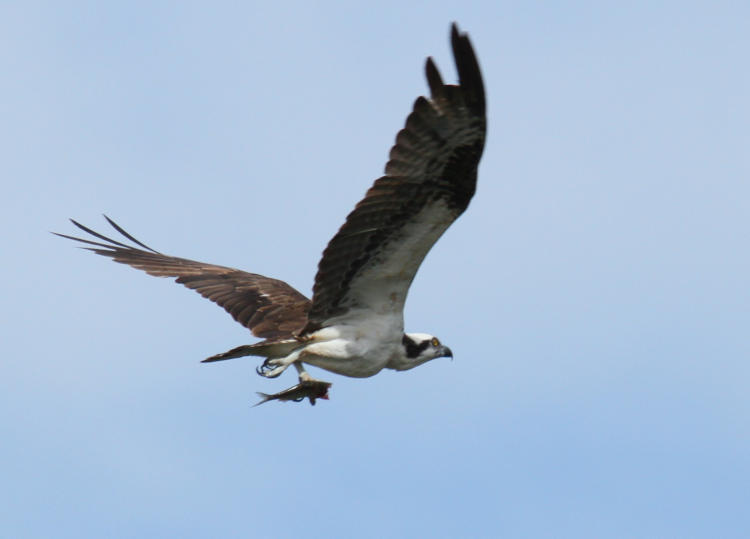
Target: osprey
354	324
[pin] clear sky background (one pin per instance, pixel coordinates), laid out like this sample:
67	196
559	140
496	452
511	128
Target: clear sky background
596	293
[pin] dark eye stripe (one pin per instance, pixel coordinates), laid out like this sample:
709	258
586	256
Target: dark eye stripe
412	348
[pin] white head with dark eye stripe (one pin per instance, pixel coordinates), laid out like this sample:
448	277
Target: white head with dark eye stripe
420	348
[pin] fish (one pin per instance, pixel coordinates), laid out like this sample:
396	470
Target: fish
312	389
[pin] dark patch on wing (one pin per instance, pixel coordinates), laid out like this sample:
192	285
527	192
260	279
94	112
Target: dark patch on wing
434	160
270	308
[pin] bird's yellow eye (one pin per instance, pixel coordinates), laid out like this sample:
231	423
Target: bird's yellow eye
435	342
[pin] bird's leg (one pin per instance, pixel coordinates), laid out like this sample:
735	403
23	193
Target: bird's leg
302	372
304	376
272	368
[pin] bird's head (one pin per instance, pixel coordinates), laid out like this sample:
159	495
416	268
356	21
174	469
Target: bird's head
420	348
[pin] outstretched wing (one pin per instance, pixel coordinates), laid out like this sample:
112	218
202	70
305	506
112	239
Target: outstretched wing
429	181
270	308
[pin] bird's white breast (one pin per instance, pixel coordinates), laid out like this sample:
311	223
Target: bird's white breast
358	345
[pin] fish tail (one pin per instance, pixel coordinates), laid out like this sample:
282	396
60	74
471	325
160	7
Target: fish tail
265	398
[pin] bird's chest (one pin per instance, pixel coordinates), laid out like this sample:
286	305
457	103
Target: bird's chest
353	353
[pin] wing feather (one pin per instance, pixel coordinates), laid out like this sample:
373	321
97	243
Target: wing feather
270	308
429	181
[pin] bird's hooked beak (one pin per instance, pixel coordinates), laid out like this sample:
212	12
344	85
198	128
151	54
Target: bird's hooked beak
446	352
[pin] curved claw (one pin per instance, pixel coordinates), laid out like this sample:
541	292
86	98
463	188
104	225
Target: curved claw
266	370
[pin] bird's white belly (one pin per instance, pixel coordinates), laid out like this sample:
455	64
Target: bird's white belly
350	352
356	367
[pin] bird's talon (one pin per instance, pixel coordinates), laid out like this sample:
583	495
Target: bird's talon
268	369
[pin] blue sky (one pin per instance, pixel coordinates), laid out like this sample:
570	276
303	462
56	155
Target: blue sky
595	294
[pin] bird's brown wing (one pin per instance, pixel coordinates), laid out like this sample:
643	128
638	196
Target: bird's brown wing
270	308
429	180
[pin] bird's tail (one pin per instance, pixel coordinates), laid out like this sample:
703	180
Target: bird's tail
262	349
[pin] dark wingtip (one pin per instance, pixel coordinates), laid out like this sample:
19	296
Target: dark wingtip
469	74
108	245
454	30
434	79
131	238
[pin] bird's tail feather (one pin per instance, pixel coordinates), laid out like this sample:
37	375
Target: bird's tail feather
262	349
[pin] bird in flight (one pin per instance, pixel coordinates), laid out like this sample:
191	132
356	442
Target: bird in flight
354	324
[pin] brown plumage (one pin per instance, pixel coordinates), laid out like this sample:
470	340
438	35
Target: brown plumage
435	159
369	264
270	308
